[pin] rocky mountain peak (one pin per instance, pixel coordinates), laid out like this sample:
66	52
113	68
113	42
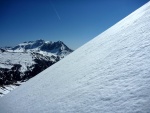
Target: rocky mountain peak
57	48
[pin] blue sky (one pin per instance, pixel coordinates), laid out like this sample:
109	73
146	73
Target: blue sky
74	22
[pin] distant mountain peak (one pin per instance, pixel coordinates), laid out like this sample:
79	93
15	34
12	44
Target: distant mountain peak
27	59
58	47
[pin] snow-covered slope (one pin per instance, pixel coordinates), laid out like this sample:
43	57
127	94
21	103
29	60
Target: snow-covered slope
19	67
8	88
109	74
8	59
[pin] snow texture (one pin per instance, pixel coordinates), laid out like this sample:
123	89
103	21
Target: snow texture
109	74
7	88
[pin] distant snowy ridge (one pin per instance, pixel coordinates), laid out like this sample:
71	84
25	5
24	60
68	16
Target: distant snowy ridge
41	46
22	62
109	74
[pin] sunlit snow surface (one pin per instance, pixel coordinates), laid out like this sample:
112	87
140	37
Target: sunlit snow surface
109	74
25	59
7	88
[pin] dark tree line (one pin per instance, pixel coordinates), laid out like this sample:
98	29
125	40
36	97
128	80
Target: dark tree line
11	76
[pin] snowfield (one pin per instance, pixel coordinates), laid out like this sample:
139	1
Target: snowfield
8	58
7	88
109	74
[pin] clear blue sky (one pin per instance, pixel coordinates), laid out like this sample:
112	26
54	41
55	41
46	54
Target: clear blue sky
74	22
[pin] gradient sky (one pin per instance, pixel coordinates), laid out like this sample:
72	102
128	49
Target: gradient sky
74	22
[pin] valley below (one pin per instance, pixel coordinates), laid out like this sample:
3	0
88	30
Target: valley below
24	61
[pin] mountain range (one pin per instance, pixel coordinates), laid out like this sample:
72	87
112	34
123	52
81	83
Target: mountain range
22	62
42	47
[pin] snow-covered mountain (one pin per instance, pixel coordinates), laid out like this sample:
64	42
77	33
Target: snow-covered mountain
22	62
43	47
109	74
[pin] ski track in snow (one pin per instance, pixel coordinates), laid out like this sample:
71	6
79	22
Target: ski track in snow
109	74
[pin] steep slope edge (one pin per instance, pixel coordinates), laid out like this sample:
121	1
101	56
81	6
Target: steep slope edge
109	74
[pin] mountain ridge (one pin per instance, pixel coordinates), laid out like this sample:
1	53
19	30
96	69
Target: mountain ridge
22	62
58	48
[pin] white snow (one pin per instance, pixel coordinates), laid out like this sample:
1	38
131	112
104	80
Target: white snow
109	74
8	88
4	65
7	59
35	46
45	53
48	42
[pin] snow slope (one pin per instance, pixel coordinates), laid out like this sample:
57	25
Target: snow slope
8	88
7	59
109	74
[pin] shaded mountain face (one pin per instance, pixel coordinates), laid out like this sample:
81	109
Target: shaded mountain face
57	47
109	74
2	50
26	60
